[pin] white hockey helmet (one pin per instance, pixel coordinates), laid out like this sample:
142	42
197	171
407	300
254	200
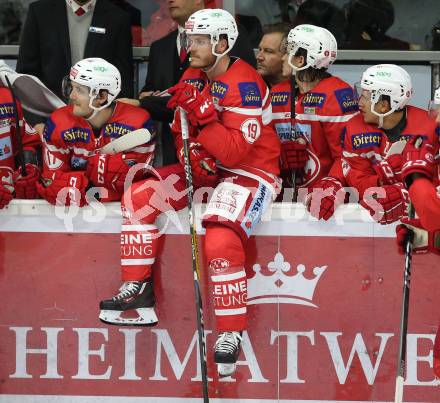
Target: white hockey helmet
320	44
213	22
434	104
390	80
97	74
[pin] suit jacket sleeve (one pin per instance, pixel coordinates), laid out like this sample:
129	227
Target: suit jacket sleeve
124	57
29	51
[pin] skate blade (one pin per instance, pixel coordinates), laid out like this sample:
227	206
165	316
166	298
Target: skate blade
226	369
146	317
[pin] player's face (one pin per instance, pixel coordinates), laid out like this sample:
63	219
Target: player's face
364	102
269	56
80	99
200	48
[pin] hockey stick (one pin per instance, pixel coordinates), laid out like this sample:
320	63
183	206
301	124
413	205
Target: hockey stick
292	132
195	256
18	130
398	395
127	141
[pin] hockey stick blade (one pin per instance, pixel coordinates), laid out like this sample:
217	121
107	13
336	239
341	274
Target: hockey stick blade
127	141
398	396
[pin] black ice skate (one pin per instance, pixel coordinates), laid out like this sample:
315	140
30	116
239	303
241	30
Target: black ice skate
134	305
226	351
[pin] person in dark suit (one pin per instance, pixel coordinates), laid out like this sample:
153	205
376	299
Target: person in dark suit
167	61
48	48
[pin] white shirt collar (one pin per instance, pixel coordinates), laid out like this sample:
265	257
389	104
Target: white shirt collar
86	7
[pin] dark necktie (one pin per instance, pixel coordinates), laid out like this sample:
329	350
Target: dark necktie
183	45
80	12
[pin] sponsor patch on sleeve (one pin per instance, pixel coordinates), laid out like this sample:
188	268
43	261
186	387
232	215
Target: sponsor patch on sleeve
6	111
48	129
5	148
315	99
280	98
116	129
346	100
219	89
250	94
366	140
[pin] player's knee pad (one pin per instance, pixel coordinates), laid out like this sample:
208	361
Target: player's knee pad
135	203
223	244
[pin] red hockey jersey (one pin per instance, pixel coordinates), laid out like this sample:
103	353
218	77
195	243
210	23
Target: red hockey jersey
426	200
69	140
8	139
320	116
366	145
241	141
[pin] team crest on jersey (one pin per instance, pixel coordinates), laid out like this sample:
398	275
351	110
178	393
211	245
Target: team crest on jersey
5	148
346	100
312	168
116	129
365	140
196	82
219	89
250	94
6	111
76	135
279	98
315	99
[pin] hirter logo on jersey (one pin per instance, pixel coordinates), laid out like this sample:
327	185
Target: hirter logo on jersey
346	100
280	98
365	140
250	94
6	111
196	82
278	283
219	89
314	99
76	135
116	129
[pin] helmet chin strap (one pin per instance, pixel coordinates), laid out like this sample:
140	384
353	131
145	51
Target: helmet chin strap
218	57
95	109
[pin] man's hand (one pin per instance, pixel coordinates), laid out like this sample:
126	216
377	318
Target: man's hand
26	186
326	196
293	154
200	108
418	160
203	166
110	171
387	204
6	192
72	186
390	170
422	241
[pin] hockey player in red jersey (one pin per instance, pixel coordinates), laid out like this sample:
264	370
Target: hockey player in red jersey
74	132
420	175
231	149
12	182
385	118
324	104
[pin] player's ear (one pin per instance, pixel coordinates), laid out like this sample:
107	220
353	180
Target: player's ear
102	97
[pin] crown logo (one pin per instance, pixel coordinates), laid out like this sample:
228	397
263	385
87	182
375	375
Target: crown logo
282	286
